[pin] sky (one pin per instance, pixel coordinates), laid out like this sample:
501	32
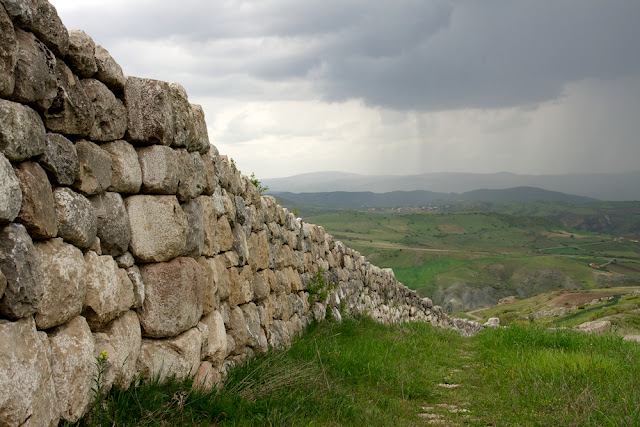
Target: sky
392	86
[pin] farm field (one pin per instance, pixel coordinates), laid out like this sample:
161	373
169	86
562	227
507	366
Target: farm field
467	260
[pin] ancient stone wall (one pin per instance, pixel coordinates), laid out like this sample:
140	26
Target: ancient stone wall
123	230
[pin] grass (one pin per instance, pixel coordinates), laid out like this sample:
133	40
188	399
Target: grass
360	373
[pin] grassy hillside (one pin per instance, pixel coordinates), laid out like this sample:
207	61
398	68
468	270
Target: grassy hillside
359	373
465	260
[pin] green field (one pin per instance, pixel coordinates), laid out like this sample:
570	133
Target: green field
360	373
465	260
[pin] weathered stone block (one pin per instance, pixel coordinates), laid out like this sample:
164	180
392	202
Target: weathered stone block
174	297
121	339
10	193
72	367
195	229
8	54
35	79
3	284
138	286
112	223
71	112
29	394
191	175
109	72
149	111
221	277
185	132
216	350
209	186
224	234
260	285
159	167
94	175
109	291
256	338
240	244
241	287
63	282
48	27
238	329
211	300
178	356
21	131
210	222
21	268
201	142
60	159
206	378
81	56
111	116
258	246
158	227
38	210
126	176
77	223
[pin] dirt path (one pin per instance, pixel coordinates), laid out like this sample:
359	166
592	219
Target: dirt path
452	407
472	314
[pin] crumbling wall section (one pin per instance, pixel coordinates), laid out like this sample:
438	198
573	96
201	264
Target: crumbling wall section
122	229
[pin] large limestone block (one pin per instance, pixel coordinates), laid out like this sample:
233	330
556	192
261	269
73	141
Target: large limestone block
28	395
241	287
240	244
158	227
209	186
178	356
48	27
138	285
73	367
35	80
8	54
94	175
149	111
258	246
191	175
195	230
111	116
174	297
185	132
211	299
112	223
21	267
10	193
238	329
109	291
38	210
260	285
224	234
63	282
121	339
206	378
60	159
126	176
159	168
71	112
252	319
76	218
216	350
109	72
21	131
201	143
209	223
81	56
222	277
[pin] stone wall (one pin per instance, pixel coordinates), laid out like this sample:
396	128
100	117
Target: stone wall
122	229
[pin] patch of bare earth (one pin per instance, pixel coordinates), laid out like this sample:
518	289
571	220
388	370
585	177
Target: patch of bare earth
578	298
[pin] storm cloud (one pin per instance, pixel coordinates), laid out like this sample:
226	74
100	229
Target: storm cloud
473	85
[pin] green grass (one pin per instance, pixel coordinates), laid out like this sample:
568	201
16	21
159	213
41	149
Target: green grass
360	373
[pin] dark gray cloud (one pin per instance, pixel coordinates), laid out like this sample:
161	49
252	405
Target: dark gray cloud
401	54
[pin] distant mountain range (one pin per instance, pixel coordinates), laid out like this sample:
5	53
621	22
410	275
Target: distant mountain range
346	199
602	186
